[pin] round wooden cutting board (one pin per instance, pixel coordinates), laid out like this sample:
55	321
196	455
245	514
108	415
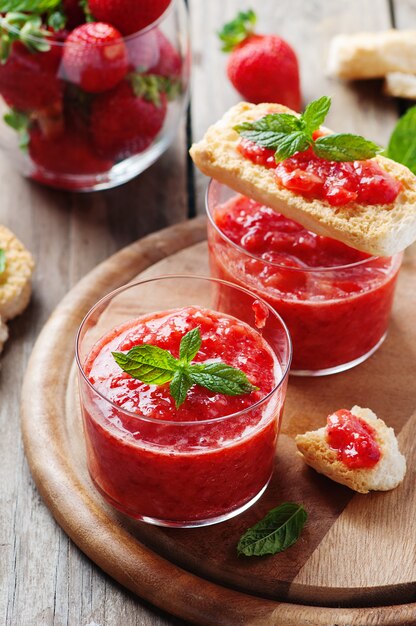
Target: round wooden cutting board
355	563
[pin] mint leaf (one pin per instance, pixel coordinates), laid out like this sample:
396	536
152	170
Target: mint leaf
315	114
290	144
345	147
2	260
220	378
149	364
180	386
28	6
190	345
156	366
277	531
402	144
236	31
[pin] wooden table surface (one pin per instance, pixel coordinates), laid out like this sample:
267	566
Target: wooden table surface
45	579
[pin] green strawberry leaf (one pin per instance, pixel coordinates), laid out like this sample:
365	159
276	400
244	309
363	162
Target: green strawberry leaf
277	531
315	113
57	20
235	32
20	122
190	345
2	260
149	364
148	86
179	387
25	28
345	147
28	6
402	144
220	378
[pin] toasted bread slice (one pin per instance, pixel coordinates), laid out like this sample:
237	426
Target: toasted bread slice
400	85
381	230
15	281
388	472
372	55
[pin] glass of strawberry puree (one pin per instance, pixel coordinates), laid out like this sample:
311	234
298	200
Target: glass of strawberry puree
213	456
336	301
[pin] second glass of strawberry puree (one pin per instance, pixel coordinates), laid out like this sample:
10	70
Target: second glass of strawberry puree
212	457
336	301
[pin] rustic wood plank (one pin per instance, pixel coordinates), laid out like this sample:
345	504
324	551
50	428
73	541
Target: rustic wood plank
47	581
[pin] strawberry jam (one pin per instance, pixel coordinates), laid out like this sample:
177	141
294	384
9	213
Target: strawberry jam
363	182
157	462
354	440
335	300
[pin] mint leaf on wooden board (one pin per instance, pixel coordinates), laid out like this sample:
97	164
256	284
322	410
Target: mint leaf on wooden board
156	366
288	134
2	260
402	144
345	147
277	531
149	364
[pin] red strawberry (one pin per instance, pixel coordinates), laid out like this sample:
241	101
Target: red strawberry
129	16
74	13
170	62
143	50
29	80
126	120
263	68
95	57
71	155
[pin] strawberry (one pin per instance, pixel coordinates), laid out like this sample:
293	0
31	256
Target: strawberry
143	50
126	120
170	62
129	16
74	13
263	68
71	155
95	57
29	80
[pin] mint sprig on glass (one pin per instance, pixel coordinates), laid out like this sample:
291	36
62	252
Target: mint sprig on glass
288	134
2	261
277	531
402	144
156	366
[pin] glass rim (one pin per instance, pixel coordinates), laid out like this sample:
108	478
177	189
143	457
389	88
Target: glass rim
123	38
215	420
245	252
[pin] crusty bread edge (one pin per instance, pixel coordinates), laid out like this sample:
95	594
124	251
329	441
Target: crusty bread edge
243	176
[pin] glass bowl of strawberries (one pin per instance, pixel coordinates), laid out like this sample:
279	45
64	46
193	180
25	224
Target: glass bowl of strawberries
91	91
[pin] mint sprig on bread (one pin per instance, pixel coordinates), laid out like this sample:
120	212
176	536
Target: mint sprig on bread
288	134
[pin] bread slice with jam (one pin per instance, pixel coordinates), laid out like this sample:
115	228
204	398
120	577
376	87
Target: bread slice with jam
377	229
385	474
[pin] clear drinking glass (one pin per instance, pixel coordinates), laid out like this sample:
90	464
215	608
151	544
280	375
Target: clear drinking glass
68	131
337	316
180	473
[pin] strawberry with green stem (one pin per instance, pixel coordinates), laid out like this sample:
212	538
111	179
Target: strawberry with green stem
262	68
126	120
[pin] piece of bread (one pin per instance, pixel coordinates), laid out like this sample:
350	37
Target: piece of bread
15	281
381	230
372	55
388	472
4	334
400	85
